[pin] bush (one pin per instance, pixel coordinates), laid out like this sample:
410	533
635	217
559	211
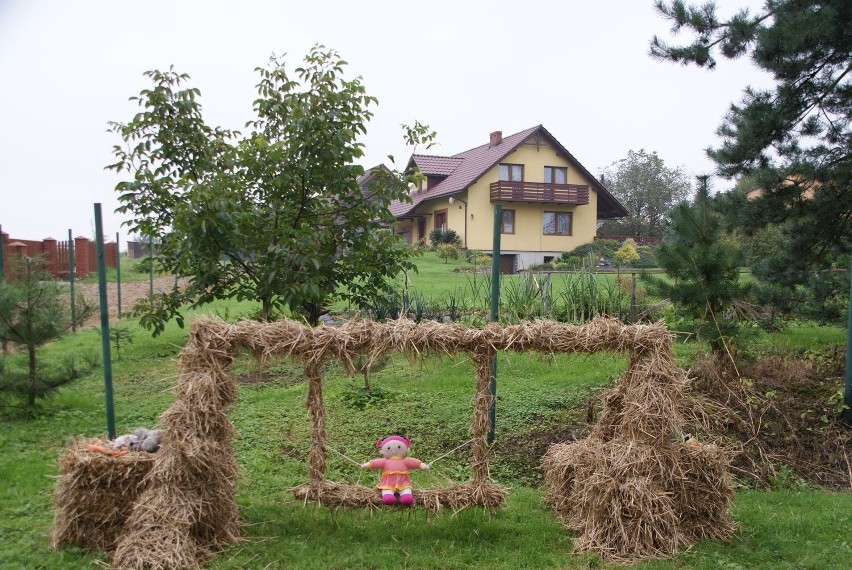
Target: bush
567	261
447	251
597	249
476	257
439	236
647	258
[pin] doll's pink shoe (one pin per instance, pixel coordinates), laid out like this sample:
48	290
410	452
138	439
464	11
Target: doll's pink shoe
406	500
388	499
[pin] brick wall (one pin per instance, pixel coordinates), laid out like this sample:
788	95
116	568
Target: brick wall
55	253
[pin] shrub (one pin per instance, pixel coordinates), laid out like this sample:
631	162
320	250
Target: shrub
447	251
478	258
597	249
569	262
439	236
627	253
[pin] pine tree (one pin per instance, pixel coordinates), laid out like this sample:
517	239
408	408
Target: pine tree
704	264
32	312
794	140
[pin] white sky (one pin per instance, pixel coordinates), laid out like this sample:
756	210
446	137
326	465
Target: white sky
466	68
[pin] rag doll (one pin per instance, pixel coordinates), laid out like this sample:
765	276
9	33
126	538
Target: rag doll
395	466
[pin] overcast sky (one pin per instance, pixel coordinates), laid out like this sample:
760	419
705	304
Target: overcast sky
466	68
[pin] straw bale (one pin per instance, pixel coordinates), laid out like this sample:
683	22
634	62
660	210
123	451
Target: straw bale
195	461
211	422
703	491
95	494
630	500
455	497
344	342
160	547
629	490
208	388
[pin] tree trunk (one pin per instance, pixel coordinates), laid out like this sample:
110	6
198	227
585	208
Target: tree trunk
266	308
31	396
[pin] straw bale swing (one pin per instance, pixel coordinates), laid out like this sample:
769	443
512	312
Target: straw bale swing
181	505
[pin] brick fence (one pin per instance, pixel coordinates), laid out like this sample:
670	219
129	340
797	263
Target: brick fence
55	253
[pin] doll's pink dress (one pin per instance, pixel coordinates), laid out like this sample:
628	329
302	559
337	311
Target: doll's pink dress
395	472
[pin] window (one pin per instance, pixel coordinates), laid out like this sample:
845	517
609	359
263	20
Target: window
555	175
512	172
441	220
508	226
557	223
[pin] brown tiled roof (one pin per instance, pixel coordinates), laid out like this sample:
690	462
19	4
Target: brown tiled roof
435	165
472	164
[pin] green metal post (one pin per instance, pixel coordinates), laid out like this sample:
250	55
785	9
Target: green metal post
102	291
847	391
71	281
117	276
495	314
151	276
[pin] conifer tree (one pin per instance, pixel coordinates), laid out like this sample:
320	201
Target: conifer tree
33	311
795	139
704	264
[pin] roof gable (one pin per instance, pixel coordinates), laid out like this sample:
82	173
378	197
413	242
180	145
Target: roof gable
470	165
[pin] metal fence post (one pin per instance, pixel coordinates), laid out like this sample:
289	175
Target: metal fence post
71	280
99	237
495	314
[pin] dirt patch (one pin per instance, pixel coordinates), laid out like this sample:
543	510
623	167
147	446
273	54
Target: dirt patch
782	414
131	292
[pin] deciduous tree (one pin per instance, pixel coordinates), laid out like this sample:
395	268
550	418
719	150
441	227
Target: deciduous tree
275	215
648	189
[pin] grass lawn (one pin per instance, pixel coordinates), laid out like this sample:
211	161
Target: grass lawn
430	402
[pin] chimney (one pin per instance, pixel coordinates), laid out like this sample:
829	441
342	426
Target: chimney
496	138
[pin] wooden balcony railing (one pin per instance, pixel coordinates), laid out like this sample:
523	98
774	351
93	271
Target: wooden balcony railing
505	191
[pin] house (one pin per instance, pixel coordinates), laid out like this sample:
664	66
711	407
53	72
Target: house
550	202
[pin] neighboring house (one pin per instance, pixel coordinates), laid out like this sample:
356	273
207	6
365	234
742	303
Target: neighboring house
551	203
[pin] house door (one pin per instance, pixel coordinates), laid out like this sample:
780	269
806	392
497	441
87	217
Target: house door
507	264
421	228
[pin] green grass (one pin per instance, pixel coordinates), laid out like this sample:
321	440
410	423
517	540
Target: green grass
431	402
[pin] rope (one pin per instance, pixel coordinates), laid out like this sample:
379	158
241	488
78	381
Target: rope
349	459
449	452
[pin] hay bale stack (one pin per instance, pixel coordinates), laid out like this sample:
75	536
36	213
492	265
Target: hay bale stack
188	509
95	495
630	489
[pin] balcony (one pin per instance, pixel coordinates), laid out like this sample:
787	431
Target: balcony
505	191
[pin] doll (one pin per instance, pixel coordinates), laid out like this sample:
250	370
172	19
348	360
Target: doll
395	469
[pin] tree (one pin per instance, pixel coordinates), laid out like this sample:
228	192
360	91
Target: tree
704	263
32	312
648	189
795	140
276	215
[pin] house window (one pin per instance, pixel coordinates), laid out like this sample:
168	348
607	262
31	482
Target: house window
512	172
555	175
557	223
441	220
508	226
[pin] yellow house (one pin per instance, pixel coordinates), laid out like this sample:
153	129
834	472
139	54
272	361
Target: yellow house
550	202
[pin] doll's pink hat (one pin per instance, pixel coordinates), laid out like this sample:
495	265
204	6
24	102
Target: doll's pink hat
381	442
